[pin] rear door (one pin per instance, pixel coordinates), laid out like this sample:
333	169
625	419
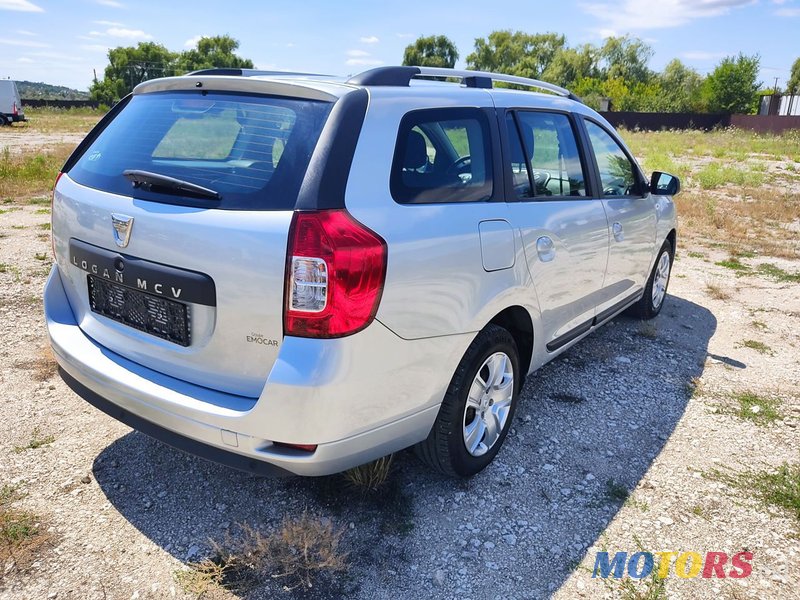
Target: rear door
187	278
564	231
631	214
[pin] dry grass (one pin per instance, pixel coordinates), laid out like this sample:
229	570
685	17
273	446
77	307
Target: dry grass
57	120
303	551
29	174
371	476
22	534
717	292
43	367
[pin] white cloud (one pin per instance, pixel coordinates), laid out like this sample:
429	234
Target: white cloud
121	32
111	3
192	41
25	59
26	32
363	62
357	53
370	39
635	15
701	55
109	23
94	47
20	5
23	43
788	12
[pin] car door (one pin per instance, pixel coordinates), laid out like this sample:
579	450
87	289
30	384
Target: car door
564	230
631	214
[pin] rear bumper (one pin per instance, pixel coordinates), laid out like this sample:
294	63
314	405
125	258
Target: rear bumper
323	392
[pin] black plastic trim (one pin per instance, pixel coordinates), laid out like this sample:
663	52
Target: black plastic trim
386	76
326	177
618	307
185	444
569	336
251	73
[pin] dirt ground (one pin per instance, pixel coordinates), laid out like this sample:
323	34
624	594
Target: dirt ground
633	440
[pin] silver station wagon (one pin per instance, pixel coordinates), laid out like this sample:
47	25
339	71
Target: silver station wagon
294	273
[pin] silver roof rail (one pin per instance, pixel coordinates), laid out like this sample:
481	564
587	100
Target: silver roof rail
401	76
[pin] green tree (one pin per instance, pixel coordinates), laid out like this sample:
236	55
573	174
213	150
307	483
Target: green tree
627	57
572	64
793	87
431	51
213	52
516	53
680	89
733	85
128	67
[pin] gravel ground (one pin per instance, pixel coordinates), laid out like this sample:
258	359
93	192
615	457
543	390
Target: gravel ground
125	513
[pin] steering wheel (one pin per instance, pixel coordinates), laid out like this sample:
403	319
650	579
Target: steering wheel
459	166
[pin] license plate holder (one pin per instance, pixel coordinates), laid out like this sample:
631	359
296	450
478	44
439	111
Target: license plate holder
152	314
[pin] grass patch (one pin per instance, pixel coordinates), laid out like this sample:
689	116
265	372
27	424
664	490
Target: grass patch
301	553
3	268
45	226
40	256
761	410
733	263
716	174
696	255
371	476
37	441
759	347
759	325
778	274
775	487
21	533
717	292
29	174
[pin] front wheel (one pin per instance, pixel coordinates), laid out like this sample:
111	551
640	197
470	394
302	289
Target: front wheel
477	409
656	289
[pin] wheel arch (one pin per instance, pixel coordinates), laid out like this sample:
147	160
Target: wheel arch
518	322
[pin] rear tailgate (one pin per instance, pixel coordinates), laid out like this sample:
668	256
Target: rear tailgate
183	283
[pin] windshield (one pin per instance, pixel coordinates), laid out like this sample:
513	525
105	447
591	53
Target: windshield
252	150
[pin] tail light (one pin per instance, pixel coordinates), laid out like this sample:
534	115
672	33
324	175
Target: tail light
52	202
14	110
335	272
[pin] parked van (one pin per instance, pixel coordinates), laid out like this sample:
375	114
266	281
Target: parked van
10	103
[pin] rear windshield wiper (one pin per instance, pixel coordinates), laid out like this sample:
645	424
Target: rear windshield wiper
148	180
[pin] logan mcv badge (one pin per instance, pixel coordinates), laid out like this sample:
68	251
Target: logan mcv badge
122	224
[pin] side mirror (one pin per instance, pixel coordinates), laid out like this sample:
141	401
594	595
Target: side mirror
664	184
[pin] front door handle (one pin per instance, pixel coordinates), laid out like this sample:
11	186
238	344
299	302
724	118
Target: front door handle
616	229
545	249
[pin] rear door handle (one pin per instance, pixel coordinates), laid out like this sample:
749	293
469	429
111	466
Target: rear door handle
545	249
619	234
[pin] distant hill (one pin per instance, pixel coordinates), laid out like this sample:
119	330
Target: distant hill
45	91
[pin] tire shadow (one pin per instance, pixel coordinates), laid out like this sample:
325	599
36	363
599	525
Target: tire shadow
587	429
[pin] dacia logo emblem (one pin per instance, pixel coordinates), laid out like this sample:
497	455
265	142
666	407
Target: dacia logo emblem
122	224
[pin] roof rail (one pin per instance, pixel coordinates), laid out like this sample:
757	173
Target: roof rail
402	76
250	72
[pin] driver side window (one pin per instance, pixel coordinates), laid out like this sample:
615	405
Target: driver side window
617	173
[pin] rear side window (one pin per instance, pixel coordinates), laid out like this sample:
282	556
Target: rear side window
252	150
443	155
549	149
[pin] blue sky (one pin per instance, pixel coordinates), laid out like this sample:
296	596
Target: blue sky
61	41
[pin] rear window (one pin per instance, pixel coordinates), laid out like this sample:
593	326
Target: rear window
252	150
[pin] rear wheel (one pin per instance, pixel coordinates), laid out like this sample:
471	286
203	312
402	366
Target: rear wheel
656	290
3	120
477	409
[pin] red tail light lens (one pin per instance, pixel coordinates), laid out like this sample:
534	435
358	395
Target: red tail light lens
335	272
14	110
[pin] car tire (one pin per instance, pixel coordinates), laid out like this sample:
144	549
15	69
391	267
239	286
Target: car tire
655	292
3	121
477	409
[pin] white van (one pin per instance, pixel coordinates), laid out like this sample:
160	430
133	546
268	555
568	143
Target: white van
10	103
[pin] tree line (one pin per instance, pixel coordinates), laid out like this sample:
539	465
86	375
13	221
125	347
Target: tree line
618	70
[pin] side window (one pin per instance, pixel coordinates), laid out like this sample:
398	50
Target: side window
552	153
617	173
442	155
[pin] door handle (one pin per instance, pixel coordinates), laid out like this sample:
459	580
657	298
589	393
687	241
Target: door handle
619	234
545	249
